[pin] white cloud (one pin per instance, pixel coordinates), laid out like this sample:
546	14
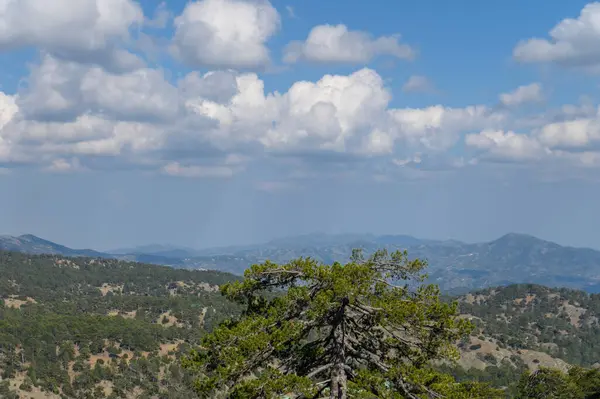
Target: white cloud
530	93
86	136
437	127
87	31
62	165
217	86
225	33
61	90
378	142
72	117
418	83
501	145
344	114
573	42
573	134
566	112
575	142
218	119
329	113
337	44
8	108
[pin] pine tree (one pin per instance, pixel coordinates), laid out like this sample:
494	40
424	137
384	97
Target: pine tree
547	383
340	331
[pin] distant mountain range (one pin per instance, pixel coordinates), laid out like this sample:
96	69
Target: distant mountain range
31	244
456	266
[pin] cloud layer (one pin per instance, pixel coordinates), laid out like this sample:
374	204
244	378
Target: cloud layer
91	101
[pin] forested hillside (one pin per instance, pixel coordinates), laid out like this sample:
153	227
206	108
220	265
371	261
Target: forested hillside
95	328
526	326
85	327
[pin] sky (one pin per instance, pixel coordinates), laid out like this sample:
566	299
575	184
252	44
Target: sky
221	122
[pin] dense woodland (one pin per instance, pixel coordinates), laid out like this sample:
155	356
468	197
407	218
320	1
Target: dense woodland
132	321
96	328
561	322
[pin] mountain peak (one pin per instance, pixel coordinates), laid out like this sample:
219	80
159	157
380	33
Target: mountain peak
518	237
31	238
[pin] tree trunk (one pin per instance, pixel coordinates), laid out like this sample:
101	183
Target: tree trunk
343	383
335	385
339	380
339	383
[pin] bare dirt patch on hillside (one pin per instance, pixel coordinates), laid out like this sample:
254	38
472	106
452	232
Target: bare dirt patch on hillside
125	315
13	302
66	263
574	312
35	393
527	300
475	353
114	288
166	319
166	348
107	387
208	287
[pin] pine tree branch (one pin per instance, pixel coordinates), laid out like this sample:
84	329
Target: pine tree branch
320	370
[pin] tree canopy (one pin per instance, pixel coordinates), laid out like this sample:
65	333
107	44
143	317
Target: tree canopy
369	328
578	383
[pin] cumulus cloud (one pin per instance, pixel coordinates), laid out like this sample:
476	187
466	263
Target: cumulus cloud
225	33
575	141
87	31
573	134
327	114
216	86
343	114
501	145
70	111
418	83
8	108
337	44
572	42
63	90
530	93
86	136
437	127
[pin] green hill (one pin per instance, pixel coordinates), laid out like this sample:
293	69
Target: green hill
83	327
526	326
94	328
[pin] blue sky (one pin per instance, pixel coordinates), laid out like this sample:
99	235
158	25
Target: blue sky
222	122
